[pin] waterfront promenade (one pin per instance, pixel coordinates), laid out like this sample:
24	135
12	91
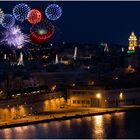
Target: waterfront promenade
61	114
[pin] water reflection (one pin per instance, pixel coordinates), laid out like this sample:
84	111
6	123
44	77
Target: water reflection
44	125
7	133
18	129
78	121
32	128
25	128
55	124
18	132
117	125
120	124
68	123
98	127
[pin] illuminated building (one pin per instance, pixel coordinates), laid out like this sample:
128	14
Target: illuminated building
75	53
132	43
106	49
130	69
5	56
20	61
122	49
56	59
86	96
93	96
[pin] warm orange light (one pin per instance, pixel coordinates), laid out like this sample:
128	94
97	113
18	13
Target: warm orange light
98	95
53	88
121	96
132	42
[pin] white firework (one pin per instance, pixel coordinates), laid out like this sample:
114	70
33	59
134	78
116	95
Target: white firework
1	16
15	38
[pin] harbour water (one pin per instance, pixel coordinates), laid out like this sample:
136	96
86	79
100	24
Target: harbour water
116	125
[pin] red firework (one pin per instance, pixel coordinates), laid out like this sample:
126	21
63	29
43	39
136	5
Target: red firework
34	16
41	38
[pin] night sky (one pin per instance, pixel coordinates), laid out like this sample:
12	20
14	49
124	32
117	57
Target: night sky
92	21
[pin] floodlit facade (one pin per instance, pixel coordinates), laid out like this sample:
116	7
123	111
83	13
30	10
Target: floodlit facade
132	43
86	96
92	96
28	105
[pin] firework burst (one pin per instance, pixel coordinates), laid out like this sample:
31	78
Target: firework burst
42	32
14	37
8	21
34	16
20	11
1	16
53	12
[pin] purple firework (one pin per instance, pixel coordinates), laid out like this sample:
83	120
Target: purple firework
15	38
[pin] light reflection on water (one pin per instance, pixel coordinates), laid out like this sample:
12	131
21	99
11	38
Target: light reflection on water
68	123
18	132
100	126
120	123
7	133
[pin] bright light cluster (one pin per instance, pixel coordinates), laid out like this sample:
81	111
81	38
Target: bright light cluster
132	43
42	32
53	12
8	21
20	11
15	38
1	16
34	16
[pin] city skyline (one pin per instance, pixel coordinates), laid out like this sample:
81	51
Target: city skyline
69	70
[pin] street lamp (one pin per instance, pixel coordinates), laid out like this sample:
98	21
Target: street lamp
120	99
73	84
53	88
121	96
98	95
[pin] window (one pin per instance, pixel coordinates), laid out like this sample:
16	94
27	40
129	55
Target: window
74	101
87	102
78	92
78	101
83	101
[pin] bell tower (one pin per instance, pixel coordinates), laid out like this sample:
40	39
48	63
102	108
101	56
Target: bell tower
132	43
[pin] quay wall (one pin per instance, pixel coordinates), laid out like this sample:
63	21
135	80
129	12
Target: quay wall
21	107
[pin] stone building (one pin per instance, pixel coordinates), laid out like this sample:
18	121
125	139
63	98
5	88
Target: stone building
91	96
